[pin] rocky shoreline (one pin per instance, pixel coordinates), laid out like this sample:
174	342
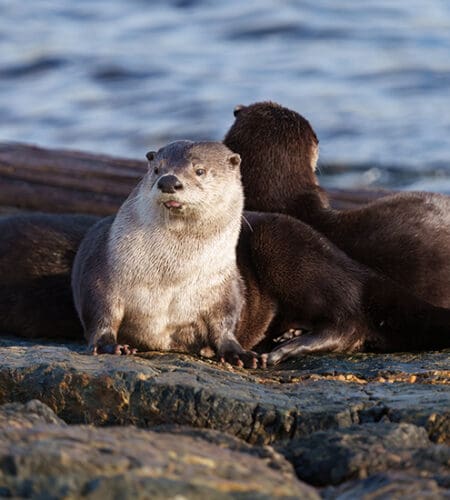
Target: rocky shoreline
162	425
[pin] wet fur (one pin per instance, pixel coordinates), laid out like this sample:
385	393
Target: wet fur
341	305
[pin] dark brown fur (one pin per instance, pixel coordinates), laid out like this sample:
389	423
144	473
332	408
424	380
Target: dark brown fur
340	305
405	236
36	256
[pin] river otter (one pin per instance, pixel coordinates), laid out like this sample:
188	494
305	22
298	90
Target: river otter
404	236
162	273
337	304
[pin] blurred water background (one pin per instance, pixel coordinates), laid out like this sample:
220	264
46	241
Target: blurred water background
122	77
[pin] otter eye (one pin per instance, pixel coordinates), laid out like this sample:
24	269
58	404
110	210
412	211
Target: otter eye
156	170
200	171
150	155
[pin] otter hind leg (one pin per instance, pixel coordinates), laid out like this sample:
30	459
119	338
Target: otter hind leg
326	340
241	359
104	341
222	323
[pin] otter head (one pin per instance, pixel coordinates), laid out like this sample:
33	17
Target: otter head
279	151
193	180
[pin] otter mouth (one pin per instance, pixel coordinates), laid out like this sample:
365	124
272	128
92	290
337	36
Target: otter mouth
173	205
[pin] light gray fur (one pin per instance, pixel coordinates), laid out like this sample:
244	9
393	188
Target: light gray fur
165	279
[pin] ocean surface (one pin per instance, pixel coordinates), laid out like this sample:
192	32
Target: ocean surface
122	77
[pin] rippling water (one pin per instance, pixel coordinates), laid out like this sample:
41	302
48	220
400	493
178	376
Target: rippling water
120	77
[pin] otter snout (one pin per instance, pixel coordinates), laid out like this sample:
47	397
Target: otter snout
169	184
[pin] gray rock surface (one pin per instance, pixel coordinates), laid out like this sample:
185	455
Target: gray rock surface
349	424
53	460
335	456
258	406
388	486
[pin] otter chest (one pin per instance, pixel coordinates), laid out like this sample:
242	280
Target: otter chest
168	299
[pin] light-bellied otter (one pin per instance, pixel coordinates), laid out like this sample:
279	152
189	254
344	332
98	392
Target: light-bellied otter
405	236
162	273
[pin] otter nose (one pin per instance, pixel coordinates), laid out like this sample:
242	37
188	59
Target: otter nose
169	184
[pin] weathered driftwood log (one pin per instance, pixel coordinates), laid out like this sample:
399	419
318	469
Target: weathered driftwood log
34	178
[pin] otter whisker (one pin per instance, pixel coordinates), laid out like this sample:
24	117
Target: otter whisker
248	223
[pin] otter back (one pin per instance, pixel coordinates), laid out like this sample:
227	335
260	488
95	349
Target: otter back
405	236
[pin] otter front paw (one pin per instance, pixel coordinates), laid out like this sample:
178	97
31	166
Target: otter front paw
240	358
116	349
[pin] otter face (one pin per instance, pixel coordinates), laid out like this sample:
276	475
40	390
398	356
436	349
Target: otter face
187	178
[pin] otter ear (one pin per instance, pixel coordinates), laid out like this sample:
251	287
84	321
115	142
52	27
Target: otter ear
235	160
314	156
150	155
237	109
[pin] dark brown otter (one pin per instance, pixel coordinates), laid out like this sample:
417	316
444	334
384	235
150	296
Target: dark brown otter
296	277
405	236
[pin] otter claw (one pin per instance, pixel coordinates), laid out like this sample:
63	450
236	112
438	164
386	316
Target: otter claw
274	358
115	349
244	359
263	360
